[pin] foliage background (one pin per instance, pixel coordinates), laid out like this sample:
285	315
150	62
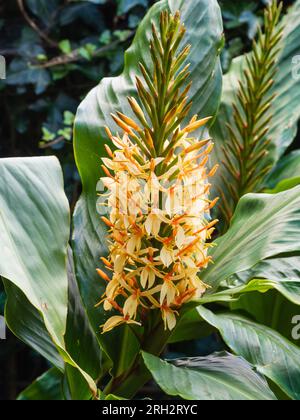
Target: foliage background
56	51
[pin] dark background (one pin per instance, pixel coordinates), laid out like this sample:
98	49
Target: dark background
56	51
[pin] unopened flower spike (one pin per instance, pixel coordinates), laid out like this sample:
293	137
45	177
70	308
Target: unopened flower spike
157	192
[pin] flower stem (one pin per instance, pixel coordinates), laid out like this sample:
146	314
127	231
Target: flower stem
131	381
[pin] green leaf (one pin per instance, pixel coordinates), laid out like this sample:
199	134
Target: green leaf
110	397
34	226
277	308
263	226
232	294
204	33
77	386
81	342
66	133
285	184
271	309
27	323
283	271
20	73
44	10
124	6
48	387
34	232
287	168
87	51
65	46
270	353
47	135
122	36
69	118
216	377
286	104
106	37
190	327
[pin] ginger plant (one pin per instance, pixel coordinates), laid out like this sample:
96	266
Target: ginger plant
157	193
52	291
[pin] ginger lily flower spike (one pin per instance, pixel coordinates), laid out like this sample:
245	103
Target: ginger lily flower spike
157	195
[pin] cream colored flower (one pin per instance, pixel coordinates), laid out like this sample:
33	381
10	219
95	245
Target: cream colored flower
131	306
134	244
169	318
167	255
168	292
119	263
153	224
147	277
157	201
115	321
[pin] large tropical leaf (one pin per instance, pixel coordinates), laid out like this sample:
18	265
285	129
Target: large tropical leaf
34	232
285	107
189	327
204	33
216	377
271	354
283	271
48	387
285	184
28	325
271	309
287	168
264	225
270	293
275	308
81	342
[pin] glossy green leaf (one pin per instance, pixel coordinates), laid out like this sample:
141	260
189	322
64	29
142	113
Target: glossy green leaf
190	327
48	387
286	104
216	377
287	168
279	307
283	271
75	385
34	232
204	33
285	184
270	353
273	310
27	323
232	294
263	226
81	342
